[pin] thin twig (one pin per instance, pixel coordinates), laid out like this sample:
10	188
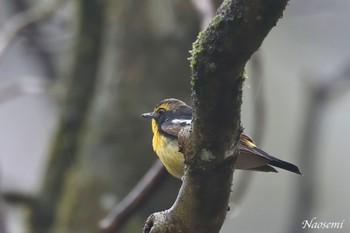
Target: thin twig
32	34
15	198
242	185
135	197
17	89
20	21
259	104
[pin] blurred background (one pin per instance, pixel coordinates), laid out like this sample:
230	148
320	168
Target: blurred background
76	75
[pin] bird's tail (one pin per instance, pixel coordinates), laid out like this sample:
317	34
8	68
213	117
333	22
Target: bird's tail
279	163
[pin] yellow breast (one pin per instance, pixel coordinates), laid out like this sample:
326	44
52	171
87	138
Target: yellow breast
168	152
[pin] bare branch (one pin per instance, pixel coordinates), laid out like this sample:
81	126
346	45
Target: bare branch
14	198
137	195
20	21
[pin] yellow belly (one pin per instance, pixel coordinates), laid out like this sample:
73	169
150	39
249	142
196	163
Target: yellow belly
168	152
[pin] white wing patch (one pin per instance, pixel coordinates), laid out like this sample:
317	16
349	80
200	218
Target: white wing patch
182	122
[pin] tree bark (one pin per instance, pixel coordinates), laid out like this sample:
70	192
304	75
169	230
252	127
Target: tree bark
210	146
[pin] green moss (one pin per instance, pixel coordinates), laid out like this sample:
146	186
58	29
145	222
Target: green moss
196	49
216	20
225	3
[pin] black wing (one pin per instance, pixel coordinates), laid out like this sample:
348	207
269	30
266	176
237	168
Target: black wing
174	127
177	120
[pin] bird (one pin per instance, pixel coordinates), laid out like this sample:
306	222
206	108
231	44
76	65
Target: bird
171	115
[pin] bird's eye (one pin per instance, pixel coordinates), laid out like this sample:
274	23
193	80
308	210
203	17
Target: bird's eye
160	111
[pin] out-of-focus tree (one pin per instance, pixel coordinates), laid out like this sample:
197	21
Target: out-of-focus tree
128	56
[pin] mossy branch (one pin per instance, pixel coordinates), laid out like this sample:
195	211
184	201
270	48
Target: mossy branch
218	59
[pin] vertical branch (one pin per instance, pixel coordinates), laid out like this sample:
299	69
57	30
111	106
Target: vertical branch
80	87
320	96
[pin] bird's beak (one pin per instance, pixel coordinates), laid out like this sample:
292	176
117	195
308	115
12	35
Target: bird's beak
149	115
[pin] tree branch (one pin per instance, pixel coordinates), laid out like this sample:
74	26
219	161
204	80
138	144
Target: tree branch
217	62
16	89
33	33
21	21
135	197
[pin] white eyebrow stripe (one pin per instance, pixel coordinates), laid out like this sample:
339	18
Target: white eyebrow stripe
178	121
